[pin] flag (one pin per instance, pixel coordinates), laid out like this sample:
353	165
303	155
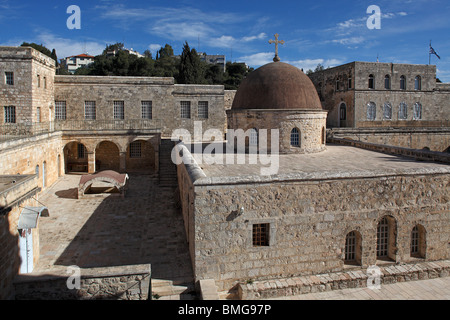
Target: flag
434	52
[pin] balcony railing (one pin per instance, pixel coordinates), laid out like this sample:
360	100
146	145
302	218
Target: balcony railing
10	131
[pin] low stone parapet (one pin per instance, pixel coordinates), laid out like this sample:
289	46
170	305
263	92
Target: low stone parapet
109	283
355	278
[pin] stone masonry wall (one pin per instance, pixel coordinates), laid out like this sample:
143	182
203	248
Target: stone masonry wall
309	221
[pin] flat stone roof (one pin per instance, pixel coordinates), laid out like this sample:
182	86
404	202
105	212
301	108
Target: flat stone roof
337	162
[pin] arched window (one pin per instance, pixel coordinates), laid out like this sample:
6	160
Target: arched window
387	111
253	139
371	111
417	111
343	112
371	82
295	138
402	83
418	83
403	111
387	82
352	252
418	242
386	238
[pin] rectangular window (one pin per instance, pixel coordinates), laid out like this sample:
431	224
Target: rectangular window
45	83
38	81
10	114
81	151
38	114
135	149
146	108
203	109
119	112
349	83
89	110
60	110
185	109
261	234
9	78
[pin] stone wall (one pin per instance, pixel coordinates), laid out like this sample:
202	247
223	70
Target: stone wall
13	197
166	98
434	139
109	283
309	221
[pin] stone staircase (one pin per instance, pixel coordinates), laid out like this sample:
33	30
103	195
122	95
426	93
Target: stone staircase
167	169
168	290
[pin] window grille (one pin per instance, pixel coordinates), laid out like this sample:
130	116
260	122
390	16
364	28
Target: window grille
81	151
89	110
135	149
403	111
295	138
382	238
9	78
185	109
60	110
10	114
417	111
415	241
371	111
119	112
253	139
387	111
146	108
203	109
261	235
350	246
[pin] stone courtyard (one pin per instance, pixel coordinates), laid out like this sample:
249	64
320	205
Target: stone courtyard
102	231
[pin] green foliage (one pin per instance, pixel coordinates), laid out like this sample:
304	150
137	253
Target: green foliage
187	68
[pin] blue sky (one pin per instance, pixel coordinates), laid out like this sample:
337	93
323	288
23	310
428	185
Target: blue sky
326	32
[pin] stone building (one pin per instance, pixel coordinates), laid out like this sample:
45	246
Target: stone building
340	209
386	103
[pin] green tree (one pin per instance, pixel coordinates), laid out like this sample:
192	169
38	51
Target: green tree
191	68
234	75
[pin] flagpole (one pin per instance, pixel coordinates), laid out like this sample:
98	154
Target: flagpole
429	54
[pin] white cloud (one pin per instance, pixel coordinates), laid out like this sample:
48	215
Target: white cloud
154	47
307	64
258	59
260	36
68	47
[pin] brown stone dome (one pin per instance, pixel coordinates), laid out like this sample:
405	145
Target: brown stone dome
277	85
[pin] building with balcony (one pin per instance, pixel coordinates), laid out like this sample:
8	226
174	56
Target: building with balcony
72	63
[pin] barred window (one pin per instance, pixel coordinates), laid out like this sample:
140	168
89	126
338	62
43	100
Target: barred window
89	110
135	149
253	139
415	241
382	238
60	110
119	112
371	111
295	138
185	109
402	83
9	78
403	111
10	114
203	109
418	83
417	111
81	151
387	111
350	247
146	109
261	234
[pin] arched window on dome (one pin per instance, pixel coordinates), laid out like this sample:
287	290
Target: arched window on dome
253	139
295	137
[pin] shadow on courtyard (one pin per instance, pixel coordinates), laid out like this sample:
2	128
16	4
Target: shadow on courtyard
144	227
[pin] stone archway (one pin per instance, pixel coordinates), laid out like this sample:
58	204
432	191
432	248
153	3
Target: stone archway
75	157
107	156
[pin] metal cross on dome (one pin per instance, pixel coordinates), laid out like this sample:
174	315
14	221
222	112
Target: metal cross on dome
276	41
